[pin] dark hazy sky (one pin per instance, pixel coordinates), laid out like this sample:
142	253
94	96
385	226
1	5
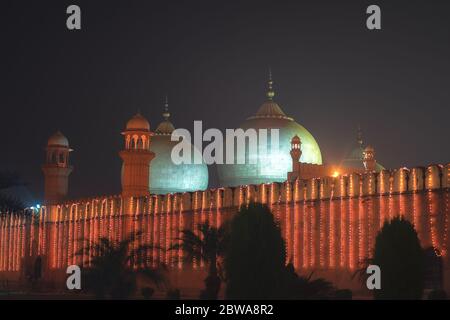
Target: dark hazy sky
211	57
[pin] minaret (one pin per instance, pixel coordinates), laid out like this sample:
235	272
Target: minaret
136	157
369	158
296	153
56	169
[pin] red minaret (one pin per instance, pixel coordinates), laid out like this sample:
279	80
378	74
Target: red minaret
136	157
56	169
296	153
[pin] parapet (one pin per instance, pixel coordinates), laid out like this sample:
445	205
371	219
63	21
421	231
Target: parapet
396	181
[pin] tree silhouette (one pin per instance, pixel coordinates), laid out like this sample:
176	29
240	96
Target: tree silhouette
401	259
255	255
111	273
300	287
9	203
207	245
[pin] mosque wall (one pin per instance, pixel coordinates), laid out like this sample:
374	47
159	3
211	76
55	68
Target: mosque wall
310	170
329	224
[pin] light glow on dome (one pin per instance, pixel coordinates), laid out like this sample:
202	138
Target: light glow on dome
274	166
167	177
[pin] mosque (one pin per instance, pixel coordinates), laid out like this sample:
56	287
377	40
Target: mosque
329	214
148	168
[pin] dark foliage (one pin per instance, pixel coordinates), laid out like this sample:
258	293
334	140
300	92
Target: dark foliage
173	294
147	292
343	294
111	274
300	287
208	245
401	259
9	203
437	295
255	255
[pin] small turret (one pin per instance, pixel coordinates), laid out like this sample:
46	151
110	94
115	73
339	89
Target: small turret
296	153
136	157
369	158
57	169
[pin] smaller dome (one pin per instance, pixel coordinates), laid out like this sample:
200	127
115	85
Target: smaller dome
355	157
165	128
138	122
58	139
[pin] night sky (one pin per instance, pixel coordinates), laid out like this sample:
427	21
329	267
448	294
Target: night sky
212	60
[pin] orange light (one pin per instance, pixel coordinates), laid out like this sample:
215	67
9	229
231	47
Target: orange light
336	174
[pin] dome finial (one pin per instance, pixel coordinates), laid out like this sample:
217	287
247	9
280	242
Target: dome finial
270	92
359	136
166	113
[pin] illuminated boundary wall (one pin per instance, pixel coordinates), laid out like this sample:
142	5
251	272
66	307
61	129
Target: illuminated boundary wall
329	224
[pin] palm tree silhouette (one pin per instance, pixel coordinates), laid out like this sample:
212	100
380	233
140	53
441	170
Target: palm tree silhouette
207	245
112	270
302	287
